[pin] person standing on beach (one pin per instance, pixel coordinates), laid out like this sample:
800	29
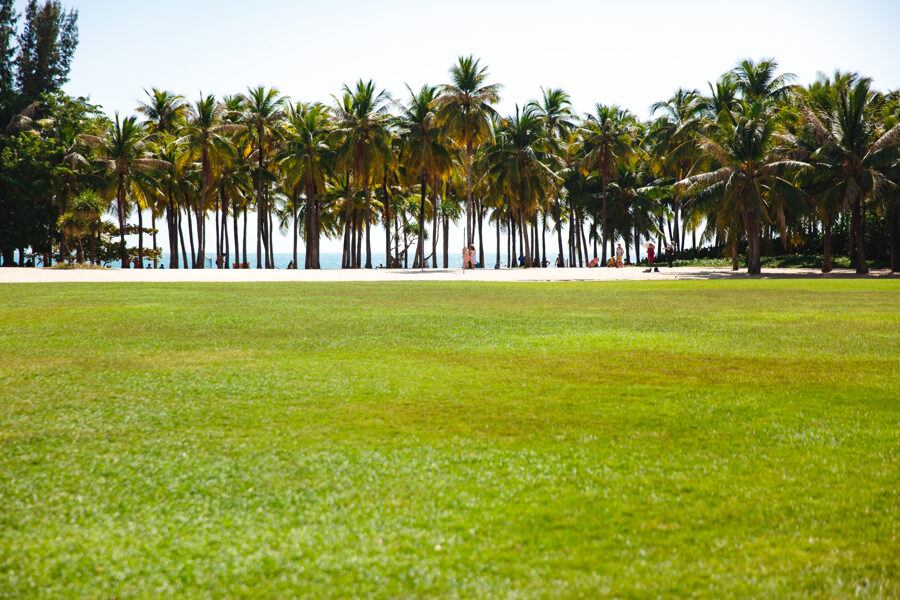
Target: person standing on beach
619	252
466	257
670	253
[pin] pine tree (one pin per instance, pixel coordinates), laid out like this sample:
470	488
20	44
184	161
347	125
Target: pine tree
46	46
8	18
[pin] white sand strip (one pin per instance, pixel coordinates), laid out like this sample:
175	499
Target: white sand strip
39	275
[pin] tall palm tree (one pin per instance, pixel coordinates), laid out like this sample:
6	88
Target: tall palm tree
673	145
205	142
753	161
757	81
124	152
364	128
307	158
163	111
523	160
164	114
555	111
425	153
464	109
853	153
607	137
261	115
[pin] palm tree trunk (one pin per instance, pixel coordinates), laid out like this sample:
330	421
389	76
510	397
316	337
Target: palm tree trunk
526	246
751	226
498	241
359	238
558	219
387	219
521	250
345	254
190	229
584	244
734	251
892	223
294	201
446	221
312	229
201	238
543	238
218	234
470	235
508	242
859	220
605	182
435	203
140	213
420	250
826	248
637	241
227	248
366	221
234	224
479	210
259	228
153	227
172	224
354	240
244	263
181	239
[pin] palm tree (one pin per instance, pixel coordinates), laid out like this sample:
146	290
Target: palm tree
307	158
555	111
363	127
757	81
424	153
606	139
523	160
464	110
164	111
753	160
124	151
673	145
204	141
84	218
261	115
852	154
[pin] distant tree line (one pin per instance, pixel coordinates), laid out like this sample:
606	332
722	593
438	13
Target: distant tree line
755	166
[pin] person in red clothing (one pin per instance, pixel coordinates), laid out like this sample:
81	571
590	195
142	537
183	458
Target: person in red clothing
651	254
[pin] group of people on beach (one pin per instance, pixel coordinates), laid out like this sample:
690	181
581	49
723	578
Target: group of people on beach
469	258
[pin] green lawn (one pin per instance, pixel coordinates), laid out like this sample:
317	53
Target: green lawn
713	438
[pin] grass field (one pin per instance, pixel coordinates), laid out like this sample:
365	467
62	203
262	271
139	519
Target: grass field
715	439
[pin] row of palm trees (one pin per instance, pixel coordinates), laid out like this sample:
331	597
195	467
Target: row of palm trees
756	159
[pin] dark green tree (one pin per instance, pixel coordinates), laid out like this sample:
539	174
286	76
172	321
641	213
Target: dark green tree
46	47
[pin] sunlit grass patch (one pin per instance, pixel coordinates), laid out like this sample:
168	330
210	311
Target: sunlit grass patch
735	438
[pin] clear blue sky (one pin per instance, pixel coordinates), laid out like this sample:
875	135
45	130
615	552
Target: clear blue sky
629	53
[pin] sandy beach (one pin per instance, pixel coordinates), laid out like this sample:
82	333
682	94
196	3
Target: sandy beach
25	275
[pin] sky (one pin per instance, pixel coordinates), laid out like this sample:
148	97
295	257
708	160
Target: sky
627	53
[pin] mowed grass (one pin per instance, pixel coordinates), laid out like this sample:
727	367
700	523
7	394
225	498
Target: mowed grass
552	440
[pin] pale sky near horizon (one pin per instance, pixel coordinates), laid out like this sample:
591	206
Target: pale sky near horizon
627	53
